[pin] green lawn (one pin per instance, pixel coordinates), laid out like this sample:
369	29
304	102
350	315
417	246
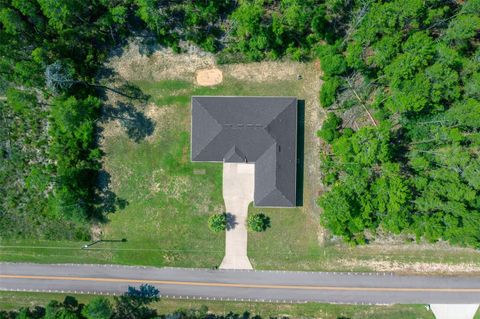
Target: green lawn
15	300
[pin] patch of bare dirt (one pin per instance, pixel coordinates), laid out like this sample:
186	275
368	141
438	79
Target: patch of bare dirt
209	77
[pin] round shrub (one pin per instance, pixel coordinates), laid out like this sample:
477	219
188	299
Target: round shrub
258	222
217	222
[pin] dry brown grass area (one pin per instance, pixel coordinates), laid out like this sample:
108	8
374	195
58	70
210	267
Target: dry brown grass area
133	65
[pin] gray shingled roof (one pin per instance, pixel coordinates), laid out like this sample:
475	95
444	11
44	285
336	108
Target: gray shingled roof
260	130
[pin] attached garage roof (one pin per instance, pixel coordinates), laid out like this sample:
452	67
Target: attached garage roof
260	130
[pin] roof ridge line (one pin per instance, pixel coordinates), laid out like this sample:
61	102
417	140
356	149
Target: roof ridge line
215	120
209	114
276	117
279	191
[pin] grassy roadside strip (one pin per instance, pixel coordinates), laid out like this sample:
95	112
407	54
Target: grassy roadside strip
15	300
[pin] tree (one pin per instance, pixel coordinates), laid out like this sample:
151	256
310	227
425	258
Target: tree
98	308
391	197
348	208
251	34
68	309
333	63
133	304
217	222
258	222
463	29
143	295
328	91
21	101
59	13
11	21
329	131
58	77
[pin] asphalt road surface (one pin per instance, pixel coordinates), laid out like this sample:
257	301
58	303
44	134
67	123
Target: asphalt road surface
247	285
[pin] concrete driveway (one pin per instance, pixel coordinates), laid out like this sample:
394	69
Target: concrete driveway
238	186
448	311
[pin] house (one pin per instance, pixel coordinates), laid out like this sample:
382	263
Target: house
257	130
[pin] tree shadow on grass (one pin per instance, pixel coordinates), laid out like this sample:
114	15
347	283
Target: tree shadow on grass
131	91
107	202
129	98
136	124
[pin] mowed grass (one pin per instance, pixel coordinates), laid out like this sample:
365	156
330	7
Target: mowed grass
15	300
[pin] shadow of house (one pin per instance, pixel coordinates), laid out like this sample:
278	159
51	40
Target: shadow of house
300	150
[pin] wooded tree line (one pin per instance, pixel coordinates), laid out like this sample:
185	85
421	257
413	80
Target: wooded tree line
401	83
50	52
411	69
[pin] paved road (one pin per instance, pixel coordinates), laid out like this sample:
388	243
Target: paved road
375	288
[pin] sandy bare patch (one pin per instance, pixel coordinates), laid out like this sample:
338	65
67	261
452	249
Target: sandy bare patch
415	267
209	77
163	64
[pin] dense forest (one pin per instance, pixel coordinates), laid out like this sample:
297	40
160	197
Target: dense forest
412	67
401	89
